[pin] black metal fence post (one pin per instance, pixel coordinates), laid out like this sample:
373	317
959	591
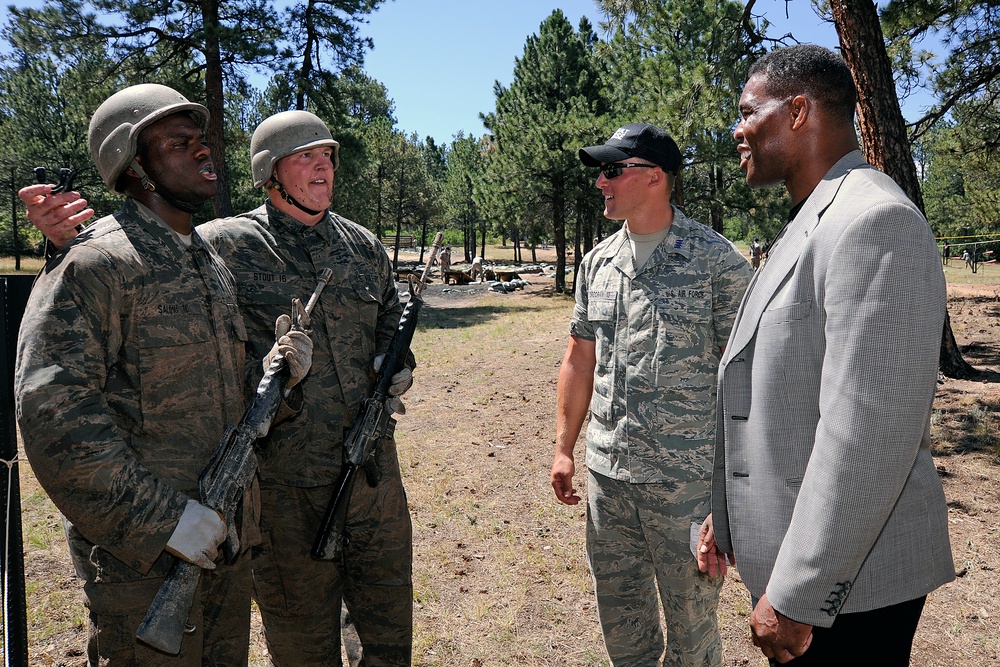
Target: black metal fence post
14	290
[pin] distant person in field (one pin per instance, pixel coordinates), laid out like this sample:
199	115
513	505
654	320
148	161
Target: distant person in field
654	306
755	253
444	257
476	270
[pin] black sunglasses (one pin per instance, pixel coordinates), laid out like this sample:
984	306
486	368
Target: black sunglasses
614	169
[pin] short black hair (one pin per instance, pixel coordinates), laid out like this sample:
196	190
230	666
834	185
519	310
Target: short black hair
815	71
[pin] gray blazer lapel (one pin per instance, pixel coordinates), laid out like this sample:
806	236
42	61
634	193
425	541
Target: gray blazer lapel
785	252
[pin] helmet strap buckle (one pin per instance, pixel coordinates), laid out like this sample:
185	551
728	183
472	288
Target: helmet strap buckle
276	184
143	177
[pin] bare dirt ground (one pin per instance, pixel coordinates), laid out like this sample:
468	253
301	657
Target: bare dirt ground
500	576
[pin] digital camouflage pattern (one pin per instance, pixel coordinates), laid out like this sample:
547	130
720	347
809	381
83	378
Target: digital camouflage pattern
130	364
659	332
299	597
658	335
274	258
219	618
638	548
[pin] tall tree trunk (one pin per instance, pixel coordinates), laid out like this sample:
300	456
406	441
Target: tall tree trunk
423	239
715	206
883	129
215	103
307	66
468	244
13	220
559	228
577	247
380	180
399	215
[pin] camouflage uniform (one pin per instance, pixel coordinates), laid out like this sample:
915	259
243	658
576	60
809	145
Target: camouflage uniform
275	258
130	363
658	333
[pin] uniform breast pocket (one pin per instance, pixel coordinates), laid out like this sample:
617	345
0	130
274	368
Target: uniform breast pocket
691	308
683	320
365	299
169	348
601	315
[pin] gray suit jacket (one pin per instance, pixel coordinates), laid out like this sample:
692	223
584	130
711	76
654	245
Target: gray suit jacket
823	482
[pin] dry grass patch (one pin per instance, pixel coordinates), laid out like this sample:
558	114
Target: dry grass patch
500	573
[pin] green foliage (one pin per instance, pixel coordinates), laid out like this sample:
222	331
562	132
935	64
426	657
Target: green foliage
677	63
961	63
463	188
549	111
323	32
48	90
962	185
680	64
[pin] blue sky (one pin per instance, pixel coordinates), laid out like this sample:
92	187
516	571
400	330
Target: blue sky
439	58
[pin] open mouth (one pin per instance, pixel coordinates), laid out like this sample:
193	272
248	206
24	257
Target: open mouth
208	171
744	156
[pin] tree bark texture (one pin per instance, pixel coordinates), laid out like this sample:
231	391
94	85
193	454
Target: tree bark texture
559	229
215	102
882	127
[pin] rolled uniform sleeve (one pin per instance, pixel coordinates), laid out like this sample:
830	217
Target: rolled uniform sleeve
580	326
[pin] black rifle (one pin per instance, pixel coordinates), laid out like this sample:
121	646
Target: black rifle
373	422
222	485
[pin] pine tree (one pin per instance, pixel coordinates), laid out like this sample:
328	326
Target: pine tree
541	120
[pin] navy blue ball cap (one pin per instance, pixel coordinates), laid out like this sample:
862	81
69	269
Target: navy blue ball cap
639	140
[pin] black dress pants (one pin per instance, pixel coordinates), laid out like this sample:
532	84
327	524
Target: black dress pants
877	638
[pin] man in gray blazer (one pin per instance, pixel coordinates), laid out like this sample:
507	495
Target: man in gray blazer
824	486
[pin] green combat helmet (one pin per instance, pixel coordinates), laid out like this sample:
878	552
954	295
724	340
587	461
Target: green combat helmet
115	127
283	134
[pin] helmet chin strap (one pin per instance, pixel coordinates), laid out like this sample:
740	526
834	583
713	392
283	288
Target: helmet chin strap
148	184
276	184
143	176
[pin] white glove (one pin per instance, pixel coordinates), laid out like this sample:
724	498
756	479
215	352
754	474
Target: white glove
400	384
198	535
296	346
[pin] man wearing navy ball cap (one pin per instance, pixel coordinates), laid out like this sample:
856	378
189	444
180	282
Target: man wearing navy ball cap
654	306
636	140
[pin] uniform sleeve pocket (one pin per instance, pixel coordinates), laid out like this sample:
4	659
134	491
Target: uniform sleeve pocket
601	407
601	311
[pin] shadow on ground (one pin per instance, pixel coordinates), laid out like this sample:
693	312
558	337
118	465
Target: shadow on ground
458	317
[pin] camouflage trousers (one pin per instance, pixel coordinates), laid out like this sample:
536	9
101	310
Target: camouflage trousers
300	599
638	547
220	619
